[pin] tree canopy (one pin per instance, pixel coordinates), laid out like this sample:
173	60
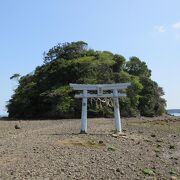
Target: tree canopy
45	93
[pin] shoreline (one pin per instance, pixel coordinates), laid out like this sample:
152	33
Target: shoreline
157	118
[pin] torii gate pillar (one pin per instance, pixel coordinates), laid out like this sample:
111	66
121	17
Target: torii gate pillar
117	117
84	114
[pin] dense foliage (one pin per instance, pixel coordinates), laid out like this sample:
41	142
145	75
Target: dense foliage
45	93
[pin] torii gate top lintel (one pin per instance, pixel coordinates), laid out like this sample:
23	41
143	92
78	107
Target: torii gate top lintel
96	86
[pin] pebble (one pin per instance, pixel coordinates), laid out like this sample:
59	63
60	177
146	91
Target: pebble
17	126
153	135
173	177
159	140
101	142
171	147
115	135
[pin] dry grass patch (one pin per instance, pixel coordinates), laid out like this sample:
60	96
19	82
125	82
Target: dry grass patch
84	142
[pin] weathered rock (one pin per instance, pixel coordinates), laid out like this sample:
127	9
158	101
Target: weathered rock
17	126
101	142
153	135
171	147
173	177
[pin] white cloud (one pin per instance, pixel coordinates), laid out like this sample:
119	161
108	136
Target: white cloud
178	36
160	29
174	33
176	25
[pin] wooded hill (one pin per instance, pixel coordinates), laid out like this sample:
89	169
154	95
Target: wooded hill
45	93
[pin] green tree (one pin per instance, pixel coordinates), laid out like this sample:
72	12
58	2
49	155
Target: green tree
151	102
45	93
119	63
137	67
66	51
15	76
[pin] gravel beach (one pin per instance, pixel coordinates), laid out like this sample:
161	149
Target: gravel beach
54	149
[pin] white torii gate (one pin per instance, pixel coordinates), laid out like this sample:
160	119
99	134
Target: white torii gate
100	88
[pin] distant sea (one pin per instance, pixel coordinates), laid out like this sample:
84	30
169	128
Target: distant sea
174	112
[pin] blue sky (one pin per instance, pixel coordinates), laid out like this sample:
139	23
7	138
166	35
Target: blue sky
149	30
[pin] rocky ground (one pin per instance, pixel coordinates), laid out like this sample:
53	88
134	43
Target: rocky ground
149	149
